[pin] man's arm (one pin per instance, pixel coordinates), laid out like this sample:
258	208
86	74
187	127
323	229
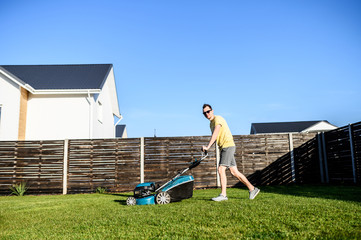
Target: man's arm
213	138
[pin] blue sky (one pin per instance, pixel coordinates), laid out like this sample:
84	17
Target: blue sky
253	61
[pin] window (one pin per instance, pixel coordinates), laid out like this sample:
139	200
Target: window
100	112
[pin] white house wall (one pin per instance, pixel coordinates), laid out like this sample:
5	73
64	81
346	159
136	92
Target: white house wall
104	127
10	102
112	89
52	117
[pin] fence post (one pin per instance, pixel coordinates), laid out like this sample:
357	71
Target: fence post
142	160
320	157
218	157
352	153
290	138
65	167
325	156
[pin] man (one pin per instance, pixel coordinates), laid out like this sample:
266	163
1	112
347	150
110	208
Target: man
224	138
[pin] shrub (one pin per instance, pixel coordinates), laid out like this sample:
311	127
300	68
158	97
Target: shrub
101	190
19	189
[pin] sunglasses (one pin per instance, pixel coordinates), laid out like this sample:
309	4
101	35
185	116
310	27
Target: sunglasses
206	112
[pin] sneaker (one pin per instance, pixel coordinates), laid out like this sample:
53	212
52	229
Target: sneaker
253	194
220	198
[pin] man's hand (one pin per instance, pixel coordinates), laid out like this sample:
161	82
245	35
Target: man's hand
213	138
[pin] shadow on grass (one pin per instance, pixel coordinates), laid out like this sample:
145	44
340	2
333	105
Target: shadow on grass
304	168
122	194
121	201
336	192
202	199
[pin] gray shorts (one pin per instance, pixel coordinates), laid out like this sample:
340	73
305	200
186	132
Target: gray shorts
227	157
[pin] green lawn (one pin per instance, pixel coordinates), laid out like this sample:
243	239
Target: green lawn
279	212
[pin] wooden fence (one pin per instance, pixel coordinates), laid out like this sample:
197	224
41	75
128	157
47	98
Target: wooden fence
341	153
74	166
109	163
39	163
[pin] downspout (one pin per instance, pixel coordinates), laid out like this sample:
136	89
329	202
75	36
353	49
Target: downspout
90	115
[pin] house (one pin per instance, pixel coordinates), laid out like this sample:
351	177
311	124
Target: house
49	102
291	127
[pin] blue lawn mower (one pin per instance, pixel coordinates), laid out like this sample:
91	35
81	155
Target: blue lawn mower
178	188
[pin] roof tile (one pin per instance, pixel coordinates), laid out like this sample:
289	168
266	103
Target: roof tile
49	77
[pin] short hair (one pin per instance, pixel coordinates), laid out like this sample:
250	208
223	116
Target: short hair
207	105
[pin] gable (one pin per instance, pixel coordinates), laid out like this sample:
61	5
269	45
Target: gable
320	126
50	77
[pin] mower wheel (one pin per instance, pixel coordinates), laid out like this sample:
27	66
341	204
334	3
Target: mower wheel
162	198
131	201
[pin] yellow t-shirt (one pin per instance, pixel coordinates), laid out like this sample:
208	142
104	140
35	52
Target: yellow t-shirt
225	138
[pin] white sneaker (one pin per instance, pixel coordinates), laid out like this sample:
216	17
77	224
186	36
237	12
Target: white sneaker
253	193
220	198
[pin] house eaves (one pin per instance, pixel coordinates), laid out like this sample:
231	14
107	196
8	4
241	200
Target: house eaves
16	80
66	91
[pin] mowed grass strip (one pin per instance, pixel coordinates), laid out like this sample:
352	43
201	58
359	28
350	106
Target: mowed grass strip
281	212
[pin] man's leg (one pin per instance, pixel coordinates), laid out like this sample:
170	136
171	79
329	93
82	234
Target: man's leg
253	191
223	177
241	178
223	195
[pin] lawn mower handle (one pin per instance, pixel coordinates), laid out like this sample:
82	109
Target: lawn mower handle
193	165
196	163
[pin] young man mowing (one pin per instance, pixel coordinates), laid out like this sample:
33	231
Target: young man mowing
224	138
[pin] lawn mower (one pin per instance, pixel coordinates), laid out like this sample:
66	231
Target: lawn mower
178	188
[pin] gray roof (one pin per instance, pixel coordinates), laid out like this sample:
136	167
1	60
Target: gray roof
46	77
282	127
